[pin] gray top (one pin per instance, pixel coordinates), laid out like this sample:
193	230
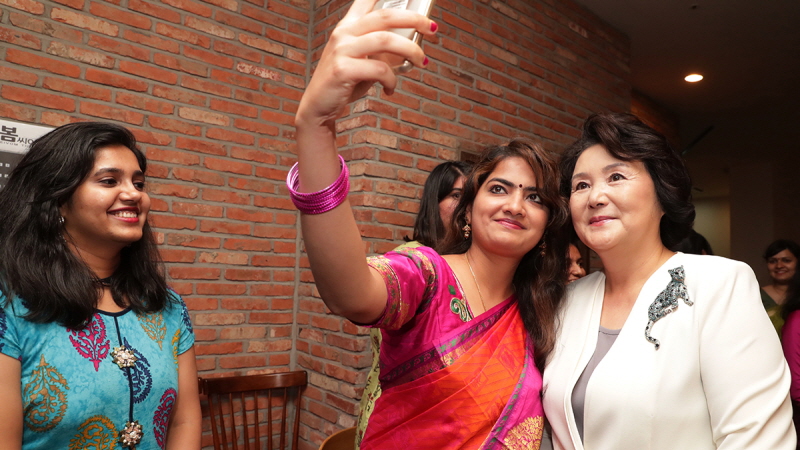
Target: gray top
605	339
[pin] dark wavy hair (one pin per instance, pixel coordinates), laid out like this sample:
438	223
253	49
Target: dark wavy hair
629	139
538	281
35	263
780	245
429	228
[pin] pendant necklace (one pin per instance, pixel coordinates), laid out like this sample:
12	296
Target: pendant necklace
475	279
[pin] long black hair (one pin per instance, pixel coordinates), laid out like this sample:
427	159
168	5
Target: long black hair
539	281
36	264
429	228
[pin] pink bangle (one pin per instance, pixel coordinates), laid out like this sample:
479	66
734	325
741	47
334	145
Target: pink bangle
321	201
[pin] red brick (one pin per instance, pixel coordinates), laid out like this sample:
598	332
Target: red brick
177	256
221	289
22	77
39	62
247	275
151	41
17	37
231	49
258	99
175	223
287	11
203	319
76	88
20	113
191	7
159	12
29	6
233	108
270	317
48	28
259	245
261	15
208	57
183	65
112	79
81	55
198	176
234	78
183	35
205	86
194	273
37	98
236	20
222	348
248	215
239	362
231	136
111	113
178	126
148	71
145	103
179	95
120	15
201	146
84	21
187	240
224	227
215	195
172	190
196	209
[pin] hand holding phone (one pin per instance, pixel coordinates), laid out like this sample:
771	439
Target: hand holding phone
424	7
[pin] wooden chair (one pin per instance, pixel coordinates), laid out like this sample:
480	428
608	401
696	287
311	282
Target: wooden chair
341	440
236	408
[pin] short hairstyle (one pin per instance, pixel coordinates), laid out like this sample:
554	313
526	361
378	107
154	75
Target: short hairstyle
780	245
428	227
539	279
627	138
54	284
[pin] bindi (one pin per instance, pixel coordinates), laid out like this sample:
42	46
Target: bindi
520	186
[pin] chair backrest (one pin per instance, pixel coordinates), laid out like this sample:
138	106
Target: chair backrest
238	407
341	440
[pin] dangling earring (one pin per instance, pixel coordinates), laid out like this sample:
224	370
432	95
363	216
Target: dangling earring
543	247
467	230
61	220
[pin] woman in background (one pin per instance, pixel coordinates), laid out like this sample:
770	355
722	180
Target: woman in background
95	350
660	350
790	339
575	267
440	196
781	257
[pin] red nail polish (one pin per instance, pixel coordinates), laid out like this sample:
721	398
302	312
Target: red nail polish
425	61
434	26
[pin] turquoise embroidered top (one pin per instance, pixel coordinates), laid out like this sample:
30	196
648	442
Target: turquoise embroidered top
75	397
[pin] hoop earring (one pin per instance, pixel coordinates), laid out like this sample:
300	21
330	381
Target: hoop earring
467	230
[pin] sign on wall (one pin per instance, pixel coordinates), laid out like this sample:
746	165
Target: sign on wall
15	139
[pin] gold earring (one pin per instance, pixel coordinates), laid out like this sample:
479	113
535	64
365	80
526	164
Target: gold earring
467	230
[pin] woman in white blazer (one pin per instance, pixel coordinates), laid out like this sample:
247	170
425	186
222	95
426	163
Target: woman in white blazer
660	350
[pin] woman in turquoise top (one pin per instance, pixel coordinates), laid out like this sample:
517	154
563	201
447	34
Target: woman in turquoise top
95	351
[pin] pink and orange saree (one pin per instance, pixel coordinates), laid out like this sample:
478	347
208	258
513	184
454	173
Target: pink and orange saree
450	381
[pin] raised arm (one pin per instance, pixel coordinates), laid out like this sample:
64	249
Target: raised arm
332	239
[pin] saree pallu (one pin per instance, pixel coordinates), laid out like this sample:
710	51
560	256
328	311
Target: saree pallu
475	388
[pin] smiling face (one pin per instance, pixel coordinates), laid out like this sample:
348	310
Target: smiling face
613	202
507	216
782	266
449	203
109	208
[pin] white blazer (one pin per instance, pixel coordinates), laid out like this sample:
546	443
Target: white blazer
718	381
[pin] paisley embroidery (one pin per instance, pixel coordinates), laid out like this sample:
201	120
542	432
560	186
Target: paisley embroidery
44	398
153	325
140	375
3	328
91	342
187	321
97	432
161	416
667	301
526	435
175	341
459	306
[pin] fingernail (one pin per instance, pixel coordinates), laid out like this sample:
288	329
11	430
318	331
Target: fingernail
425	61
434	26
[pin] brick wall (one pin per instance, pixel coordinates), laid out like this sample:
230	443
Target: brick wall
210	89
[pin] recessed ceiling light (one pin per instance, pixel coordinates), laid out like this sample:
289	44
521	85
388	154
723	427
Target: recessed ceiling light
693	78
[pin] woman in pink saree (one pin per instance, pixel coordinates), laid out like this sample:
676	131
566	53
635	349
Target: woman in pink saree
466	329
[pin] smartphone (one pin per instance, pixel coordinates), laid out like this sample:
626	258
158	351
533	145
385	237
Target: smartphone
424	7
